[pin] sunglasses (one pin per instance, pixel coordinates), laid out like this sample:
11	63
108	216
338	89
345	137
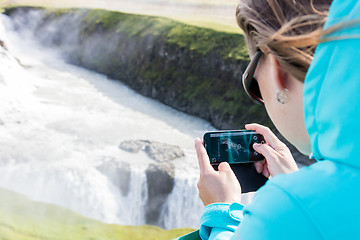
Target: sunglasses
250	84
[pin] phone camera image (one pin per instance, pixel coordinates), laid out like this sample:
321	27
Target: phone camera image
232	146
236	148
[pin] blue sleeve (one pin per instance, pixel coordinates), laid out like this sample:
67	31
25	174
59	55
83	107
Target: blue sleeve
220	220
273	214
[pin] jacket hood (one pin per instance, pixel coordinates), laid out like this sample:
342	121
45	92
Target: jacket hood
332	90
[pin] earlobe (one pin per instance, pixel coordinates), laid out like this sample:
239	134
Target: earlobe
282	96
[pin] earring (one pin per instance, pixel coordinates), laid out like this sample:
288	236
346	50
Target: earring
282	96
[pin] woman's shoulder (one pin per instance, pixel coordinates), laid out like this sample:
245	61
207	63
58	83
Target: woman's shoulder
320	177
316	197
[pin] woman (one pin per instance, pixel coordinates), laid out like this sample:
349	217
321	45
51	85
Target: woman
317	113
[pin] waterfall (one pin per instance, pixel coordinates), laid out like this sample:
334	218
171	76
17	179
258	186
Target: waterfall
61	127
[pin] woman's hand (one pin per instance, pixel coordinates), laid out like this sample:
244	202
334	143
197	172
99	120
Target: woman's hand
278	158
216	186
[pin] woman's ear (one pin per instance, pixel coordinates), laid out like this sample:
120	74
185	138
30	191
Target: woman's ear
281	77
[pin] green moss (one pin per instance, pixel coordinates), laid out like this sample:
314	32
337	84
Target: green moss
205	22
130	24
2	5
106	18
196	89
23	219
151	75
201	40
200	2
57	12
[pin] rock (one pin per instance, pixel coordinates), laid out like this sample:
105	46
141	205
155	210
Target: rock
3	45
4	50
160	183
159	175
160	152
118	173
160	180
133	146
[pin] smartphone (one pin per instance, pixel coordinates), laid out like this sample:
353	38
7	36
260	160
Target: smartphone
233	147
236	148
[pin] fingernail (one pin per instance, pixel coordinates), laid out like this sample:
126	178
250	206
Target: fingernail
256	145
257	168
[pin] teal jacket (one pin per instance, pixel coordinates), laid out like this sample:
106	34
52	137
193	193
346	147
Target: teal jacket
321	201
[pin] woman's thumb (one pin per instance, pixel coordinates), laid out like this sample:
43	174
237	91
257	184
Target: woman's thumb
224	167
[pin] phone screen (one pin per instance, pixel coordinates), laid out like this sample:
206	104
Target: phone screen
232	146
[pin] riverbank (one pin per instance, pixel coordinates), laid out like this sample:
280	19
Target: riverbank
22	218
63	129
213	14
194	70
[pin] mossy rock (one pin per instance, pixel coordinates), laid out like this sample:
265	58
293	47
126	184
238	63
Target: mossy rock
202	40
195	70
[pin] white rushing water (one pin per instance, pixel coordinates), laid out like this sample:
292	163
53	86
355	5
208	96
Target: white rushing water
60	124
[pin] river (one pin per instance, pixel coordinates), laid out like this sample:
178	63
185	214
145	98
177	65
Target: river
61	124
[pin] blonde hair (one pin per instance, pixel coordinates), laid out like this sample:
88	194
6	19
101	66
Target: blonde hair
289	29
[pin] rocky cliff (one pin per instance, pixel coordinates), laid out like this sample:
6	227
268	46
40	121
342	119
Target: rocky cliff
194	70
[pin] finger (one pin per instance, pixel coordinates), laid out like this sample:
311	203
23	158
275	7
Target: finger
224	167
266	132
266	171
259	166
203	158
268	152
269	136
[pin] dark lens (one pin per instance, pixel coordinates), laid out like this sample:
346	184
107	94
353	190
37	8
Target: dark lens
254	89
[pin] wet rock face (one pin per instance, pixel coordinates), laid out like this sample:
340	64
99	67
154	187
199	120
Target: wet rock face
118	173
160	182
160	152
159	175
204	84
3	45
133	146
160	179
163	152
